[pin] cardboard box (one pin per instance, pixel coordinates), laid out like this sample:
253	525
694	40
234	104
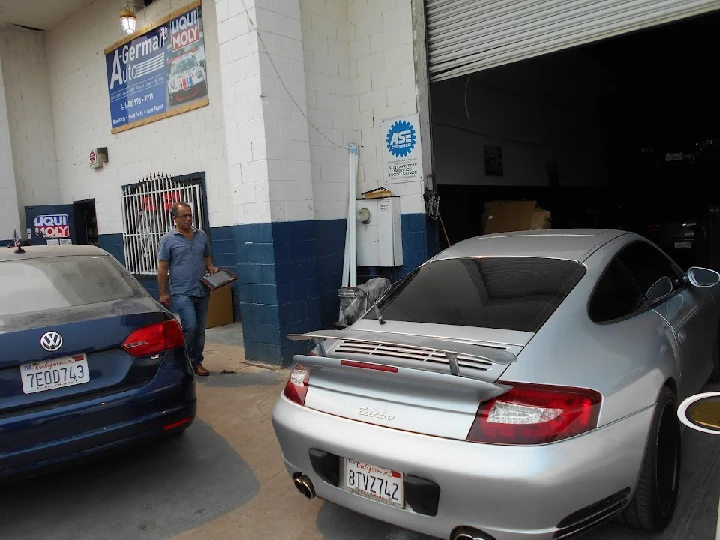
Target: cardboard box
507	216
220	310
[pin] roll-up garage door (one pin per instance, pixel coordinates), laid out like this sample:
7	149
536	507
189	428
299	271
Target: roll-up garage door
471	35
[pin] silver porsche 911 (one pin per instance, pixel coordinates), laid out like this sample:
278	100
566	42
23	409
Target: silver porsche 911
516	386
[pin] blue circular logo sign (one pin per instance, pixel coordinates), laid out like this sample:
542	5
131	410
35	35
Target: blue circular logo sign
401	138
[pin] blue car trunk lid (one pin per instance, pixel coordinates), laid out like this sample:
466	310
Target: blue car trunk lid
91	333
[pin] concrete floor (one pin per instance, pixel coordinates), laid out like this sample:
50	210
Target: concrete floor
225	479
229	334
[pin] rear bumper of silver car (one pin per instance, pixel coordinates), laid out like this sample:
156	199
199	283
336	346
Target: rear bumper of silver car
508	492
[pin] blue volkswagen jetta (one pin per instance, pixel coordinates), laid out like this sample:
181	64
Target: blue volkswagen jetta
89	361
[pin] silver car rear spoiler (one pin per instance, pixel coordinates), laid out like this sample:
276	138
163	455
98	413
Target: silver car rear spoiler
450	347
487	389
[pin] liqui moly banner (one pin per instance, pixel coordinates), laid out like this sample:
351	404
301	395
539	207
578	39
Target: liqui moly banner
52	226
158	73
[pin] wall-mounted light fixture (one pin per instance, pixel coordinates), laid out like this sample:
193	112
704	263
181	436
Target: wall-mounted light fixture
128	20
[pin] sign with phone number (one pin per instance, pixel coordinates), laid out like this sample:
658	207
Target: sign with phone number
158	73
402	154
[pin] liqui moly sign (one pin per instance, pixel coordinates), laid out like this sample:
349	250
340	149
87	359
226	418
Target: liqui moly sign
185	30
160	72
52	226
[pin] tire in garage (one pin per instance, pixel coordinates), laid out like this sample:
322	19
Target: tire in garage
655	498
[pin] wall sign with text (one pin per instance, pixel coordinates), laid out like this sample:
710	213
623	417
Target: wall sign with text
402	154
52	226
158	73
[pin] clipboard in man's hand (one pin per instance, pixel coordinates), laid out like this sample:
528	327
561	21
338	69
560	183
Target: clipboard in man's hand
219	279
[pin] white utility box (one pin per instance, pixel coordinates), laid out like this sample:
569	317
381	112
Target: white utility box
379	238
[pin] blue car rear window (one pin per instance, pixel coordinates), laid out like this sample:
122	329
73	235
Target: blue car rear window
511	293
44	284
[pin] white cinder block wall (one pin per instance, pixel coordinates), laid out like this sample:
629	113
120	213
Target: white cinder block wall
348	65
182	144
9	214
383	80
267	135
282	71
359	71
329	102
27	96
243	112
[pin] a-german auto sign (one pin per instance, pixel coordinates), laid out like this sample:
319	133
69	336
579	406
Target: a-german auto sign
158	73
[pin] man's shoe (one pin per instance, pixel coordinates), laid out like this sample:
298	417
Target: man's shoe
200	371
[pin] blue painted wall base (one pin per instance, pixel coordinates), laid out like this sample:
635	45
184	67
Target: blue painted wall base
288	276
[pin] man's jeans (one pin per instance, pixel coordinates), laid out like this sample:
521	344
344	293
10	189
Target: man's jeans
193	311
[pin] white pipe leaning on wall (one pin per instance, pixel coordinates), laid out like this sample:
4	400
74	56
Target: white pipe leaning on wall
351	215
346	257
349	278
346	262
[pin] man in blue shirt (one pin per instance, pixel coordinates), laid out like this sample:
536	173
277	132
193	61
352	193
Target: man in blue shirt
185	252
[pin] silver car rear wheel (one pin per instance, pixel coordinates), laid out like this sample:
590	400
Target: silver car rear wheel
715	375
653	504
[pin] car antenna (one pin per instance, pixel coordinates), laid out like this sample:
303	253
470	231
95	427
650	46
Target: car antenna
18	244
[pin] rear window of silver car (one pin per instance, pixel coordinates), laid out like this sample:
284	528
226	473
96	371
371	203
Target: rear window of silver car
511	293
44	284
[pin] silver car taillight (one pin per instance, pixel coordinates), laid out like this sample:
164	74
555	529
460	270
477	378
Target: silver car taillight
535	414
297	385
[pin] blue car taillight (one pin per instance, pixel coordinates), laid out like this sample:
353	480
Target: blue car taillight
154	339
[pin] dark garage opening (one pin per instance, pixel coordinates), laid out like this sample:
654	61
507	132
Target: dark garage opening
622	133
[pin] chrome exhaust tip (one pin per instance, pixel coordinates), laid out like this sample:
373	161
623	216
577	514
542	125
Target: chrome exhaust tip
304	485
468	533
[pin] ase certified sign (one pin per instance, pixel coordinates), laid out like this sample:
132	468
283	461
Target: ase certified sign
402	154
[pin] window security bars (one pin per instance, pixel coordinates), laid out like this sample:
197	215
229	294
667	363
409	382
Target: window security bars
146	216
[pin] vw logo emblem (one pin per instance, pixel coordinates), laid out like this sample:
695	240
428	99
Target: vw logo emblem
51	341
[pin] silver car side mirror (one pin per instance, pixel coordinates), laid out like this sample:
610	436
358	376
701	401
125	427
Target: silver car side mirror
702	277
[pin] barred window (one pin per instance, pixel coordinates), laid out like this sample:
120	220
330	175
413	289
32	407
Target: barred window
146	216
